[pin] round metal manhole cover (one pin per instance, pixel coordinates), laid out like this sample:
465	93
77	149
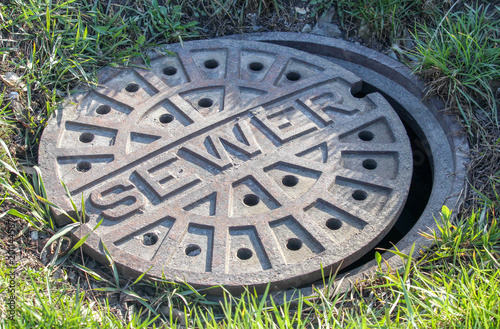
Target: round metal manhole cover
230	163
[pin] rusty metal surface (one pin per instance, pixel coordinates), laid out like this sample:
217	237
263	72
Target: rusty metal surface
230	162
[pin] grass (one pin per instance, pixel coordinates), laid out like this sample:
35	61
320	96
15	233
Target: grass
7	126
384	21
433	292
455	284
461	59
44	301
236	10
56	45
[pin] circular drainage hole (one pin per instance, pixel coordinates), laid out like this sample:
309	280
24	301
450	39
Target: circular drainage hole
256	66
86	137
251	200
290	180
334	223
132	87
193	250
103	109
418	198
366	135
294	244
244	253
166	118
170	70
149	239
369	164
205	102
293	76
83	166
211	64
359	195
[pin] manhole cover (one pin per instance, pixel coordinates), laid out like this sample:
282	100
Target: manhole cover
230	162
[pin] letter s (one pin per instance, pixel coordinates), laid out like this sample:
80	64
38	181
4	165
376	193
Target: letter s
119	199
